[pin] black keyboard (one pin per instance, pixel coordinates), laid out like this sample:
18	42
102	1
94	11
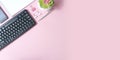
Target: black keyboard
15	27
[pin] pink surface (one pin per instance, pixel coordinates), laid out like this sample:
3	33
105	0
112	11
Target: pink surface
75	30
93	29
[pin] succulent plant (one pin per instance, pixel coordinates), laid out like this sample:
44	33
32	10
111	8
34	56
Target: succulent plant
46	3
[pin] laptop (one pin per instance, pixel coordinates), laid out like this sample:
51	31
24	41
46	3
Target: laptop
19	16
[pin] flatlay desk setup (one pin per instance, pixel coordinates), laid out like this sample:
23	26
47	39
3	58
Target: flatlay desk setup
18	17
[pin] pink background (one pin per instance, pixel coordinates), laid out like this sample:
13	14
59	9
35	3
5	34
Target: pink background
75	30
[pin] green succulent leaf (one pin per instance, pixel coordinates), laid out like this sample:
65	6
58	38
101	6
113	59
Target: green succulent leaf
46	5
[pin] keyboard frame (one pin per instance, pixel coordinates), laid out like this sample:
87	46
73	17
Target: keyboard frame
19	34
